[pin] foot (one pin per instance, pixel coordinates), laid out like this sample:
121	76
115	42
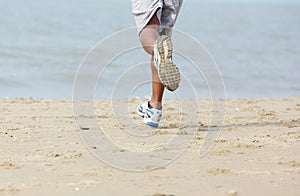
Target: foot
168	72
151	115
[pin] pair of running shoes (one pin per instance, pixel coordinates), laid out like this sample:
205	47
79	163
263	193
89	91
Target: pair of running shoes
169	75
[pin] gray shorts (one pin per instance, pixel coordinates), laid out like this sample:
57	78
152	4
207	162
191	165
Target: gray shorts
167	12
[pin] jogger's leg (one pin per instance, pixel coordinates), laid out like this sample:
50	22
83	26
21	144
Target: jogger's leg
157	87
148	37
149	34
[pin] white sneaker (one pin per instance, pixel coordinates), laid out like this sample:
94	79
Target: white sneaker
168	72
151	116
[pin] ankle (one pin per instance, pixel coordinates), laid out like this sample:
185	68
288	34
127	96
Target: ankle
156	105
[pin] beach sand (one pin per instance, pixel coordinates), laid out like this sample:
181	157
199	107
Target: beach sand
257	152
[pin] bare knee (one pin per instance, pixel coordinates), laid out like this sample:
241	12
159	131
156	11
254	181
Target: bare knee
149	34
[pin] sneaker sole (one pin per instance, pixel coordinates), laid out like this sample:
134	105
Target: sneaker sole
150	123
168	72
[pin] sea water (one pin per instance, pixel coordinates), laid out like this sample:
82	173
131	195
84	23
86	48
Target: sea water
255	45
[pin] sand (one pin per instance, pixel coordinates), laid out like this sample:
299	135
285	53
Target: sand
257	152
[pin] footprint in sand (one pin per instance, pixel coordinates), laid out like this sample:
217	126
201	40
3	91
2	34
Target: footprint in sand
218	171
10	190
223	152
9	165
290	163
